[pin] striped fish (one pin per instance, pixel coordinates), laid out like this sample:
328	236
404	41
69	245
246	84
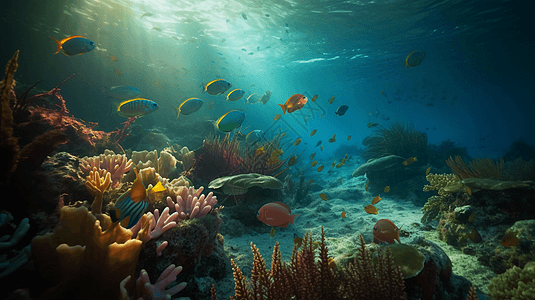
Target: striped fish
131	205
137	107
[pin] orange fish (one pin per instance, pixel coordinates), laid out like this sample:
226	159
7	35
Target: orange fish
113	58
314	98
333	139
297	141
295	102
376	199
348	137
343	214
298	240
117	72
469	191
409	161
371	209
314	163
278	116
321	148
385	231
510	239
272	160
427	171
320	168
367	185
331	100
323	197
475	236
276	214
313	132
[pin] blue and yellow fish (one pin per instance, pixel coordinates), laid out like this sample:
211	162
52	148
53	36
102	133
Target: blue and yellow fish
137	107
131	205
235	95
124	92
217	87
230	120
74	45
189	106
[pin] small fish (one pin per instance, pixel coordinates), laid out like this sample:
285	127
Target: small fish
331	100
235	95
117	72
320	168
189	106
272	160
259	151
367	185
313	132
319	143
339	165
131	205
385	231
371	124
253	136
321	148
277	152
216	87
427	171
341	110
333	139
409	161
314	163
295	102
158	188
283	134
510	239
230	121
276	214
414	58
475	236
124	92
312	155
371	209
147	14
310	181
348	137
211	105
278	116
376	200
334	164
383	92
292	160
472	218
343	214
157	29
298	240
137	107
113	58
323	197
387	189
265	97
297	141
272	233
250	53
244	16
74	45
314	98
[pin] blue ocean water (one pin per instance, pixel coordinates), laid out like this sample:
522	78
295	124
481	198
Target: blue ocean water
474	87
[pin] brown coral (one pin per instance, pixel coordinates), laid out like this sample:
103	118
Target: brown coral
479	168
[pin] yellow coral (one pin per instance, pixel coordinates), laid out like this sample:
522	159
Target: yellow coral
514	284
441	181
96	184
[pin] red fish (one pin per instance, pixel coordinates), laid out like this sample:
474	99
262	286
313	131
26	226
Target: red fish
295	102
385	231
276	214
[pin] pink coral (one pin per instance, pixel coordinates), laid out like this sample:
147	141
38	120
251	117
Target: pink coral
191	204
156	291
116	164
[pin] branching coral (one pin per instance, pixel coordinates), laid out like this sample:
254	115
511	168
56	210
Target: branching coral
514	284
157	291
191	204
400	139
306	278
479	168
116	164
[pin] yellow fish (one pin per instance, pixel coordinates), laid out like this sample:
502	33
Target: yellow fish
259	151
427	171
216	87
321	148
387	189
409	161
323	197
310	181
334	164
367	185
376	199
333	139
272	233
283	134
314	98
158	188
277	152
331	100
297	141
314	163
74	45
371	124
313	132
371	209
348	137
320	168
297	240
292	160
312	155
343	214
278	116
339	165
272	160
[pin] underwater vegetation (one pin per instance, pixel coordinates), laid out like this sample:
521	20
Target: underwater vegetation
399	139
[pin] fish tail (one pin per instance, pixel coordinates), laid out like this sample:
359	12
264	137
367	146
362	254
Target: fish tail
292	218
283	108
177	112
203	87
58	43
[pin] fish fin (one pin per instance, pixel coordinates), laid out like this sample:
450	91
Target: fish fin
114	215
58	43
177	112
283	108
204	87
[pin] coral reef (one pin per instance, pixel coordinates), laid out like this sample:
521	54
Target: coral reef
190	203
515	284
479	168
116	164
165	165
399	139
304	278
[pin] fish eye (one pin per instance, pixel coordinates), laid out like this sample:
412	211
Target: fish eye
258	213
374	228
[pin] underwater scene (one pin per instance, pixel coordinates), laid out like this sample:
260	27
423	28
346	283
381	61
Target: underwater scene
267	149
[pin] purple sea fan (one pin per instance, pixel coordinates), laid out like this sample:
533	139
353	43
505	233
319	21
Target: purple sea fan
191	204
